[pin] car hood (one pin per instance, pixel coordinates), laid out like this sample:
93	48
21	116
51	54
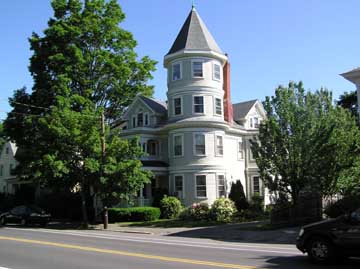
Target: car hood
324	223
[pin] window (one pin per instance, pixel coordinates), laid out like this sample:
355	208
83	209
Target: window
197	69
144	147
179	186
176	71
221	185
218	106
134	122
178	145
201	186
199	104
251	122
240	150
256	122
140	119
1	170
11	167
7	150
217	71
146	119
199	144
219	145
177	106
152	147
256	184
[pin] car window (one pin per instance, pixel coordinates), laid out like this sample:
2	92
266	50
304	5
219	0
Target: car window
36	209
355	216
19	210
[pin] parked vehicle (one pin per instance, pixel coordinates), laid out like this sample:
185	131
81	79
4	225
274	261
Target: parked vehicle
327	240
25	215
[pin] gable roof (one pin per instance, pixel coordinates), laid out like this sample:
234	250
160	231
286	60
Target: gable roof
156	105
353	75
194	35
243	108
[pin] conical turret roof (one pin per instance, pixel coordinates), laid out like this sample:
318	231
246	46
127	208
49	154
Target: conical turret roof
194	35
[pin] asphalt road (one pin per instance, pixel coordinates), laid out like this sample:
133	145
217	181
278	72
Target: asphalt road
35	248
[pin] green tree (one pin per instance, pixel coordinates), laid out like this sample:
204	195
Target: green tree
237	195
305	142
2	135
84	65
349	101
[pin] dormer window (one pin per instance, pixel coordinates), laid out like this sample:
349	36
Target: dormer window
176	71
197	68
140	120
7	150
146	115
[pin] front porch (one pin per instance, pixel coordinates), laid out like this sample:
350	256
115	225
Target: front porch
159	185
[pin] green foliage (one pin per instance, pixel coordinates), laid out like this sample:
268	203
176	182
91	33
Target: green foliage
223	210
305	142
2	135
84	65
342	206
237	194
133	214
257	203
170	207
349	179
197	211
158	195
349	101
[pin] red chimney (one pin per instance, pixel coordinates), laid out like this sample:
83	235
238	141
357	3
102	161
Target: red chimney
228	109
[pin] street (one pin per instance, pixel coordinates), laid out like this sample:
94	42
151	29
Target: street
35	248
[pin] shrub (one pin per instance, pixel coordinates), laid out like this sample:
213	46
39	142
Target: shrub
257	203
133	214
197	211
159	194
345	205
237	195
223	210
170	207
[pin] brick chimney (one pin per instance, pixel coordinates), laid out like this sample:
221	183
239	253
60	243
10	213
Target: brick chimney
228	109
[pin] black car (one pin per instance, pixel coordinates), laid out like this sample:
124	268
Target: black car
331	239
25	215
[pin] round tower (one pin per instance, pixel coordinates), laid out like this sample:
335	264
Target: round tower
197	122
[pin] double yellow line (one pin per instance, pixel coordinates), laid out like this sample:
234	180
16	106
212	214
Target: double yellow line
129	254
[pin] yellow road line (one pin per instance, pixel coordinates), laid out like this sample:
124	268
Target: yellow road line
129	254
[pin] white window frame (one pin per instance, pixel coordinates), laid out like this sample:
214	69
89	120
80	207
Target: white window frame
214	71
194	144
217	185
196	185
221	106
181	105
253	185
137	119
133	121
193	105
182	145
240	155
192	68
183	185
172	71
216	148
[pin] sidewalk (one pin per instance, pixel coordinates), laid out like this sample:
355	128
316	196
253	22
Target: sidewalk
228	232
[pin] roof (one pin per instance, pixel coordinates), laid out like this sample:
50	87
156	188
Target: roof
353	75
243	108
194	35
156	105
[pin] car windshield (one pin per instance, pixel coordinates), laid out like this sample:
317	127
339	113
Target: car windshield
36	209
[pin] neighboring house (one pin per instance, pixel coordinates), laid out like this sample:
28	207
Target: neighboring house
354	77
197	142
8	182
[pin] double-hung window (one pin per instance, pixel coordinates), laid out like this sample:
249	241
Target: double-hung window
178	145
201	185
177	106
176	71
199	104
179	192
197	68
218	106
221	185
240	150
217	71
133	121
199	144
219	145
256	184
146	115
140	119
1	170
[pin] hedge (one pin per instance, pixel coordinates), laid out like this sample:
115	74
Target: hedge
133	214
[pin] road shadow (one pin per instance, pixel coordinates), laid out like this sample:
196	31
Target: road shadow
301	262
54	225
241	233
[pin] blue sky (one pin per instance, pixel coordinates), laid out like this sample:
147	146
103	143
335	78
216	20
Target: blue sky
269	42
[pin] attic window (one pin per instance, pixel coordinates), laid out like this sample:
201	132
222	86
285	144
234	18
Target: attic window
7	150
140	119
197	69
